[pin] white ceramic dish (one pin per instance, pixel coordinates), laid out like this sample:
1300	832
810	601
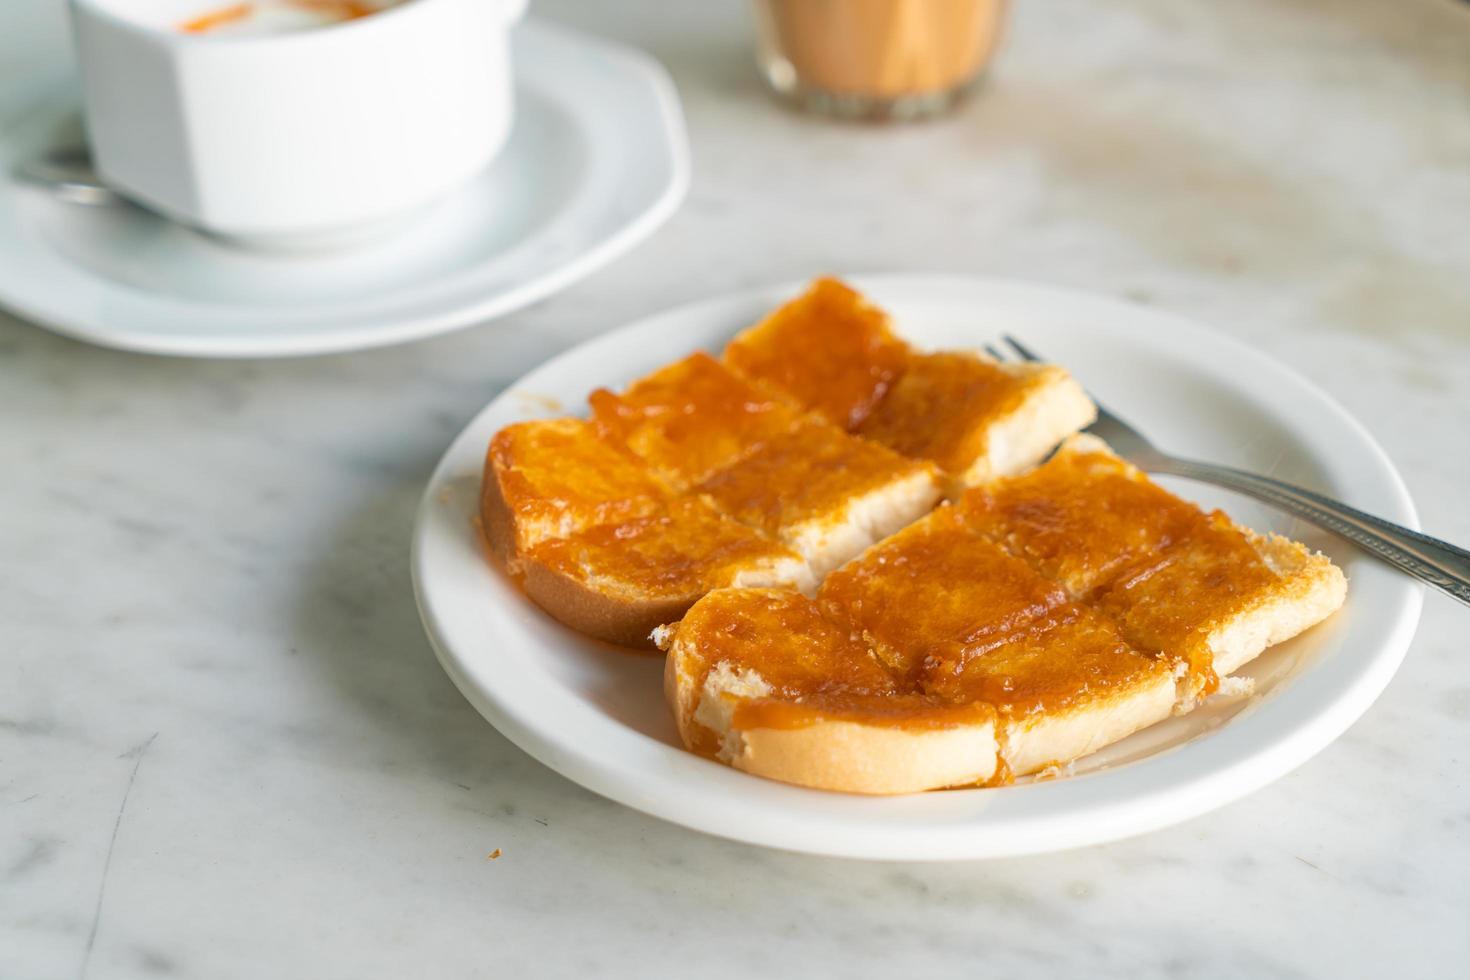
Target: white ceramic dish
596	714
296	138
595	162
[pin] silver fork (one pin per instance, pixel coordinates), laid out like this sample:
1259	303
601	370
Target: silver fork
1431	560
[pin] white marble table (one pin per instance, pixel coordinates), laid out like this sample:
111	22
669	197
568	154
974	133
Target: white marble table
226	750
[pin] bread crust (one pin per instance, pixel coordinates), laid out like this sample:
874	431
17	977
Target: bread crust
830	754
495	516
625	620
616	619
848	757
1030	744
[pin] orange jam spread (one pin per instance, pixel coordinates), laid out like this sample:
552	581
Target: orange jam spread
1080	519
687	549
558	476
1064	658
1172	600
1166	572
693	417
783	636
935	583
816	669
811	473
829	349
943	406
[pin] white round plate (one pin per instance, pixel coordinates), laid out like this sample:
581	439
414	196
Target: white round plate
596	713
595	162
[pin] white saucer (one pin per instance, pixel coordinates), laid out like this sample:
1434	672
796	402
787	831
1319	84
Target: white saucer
596	714
596	161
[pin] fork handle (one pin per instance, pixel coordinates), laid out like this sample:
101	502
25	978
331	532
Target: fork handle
1428	559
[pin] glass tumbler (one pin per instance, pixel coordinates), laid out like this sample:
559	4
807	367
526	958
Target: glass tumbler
877	59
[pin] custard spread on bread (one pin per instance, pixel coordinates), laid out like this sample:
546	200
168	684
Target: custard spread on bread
1189	585
769	518
829	350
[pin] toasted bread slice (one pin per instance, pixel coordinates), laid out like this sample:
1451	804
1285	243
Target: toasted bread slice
829	350
832	351
694	417
954	615
1065	685
554	477
935	583
618	582
1223	595
760	680
824	493
1083	518
978	418
1193	586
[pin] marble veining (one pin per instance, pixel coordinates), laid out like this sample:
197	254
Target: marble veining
227	751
